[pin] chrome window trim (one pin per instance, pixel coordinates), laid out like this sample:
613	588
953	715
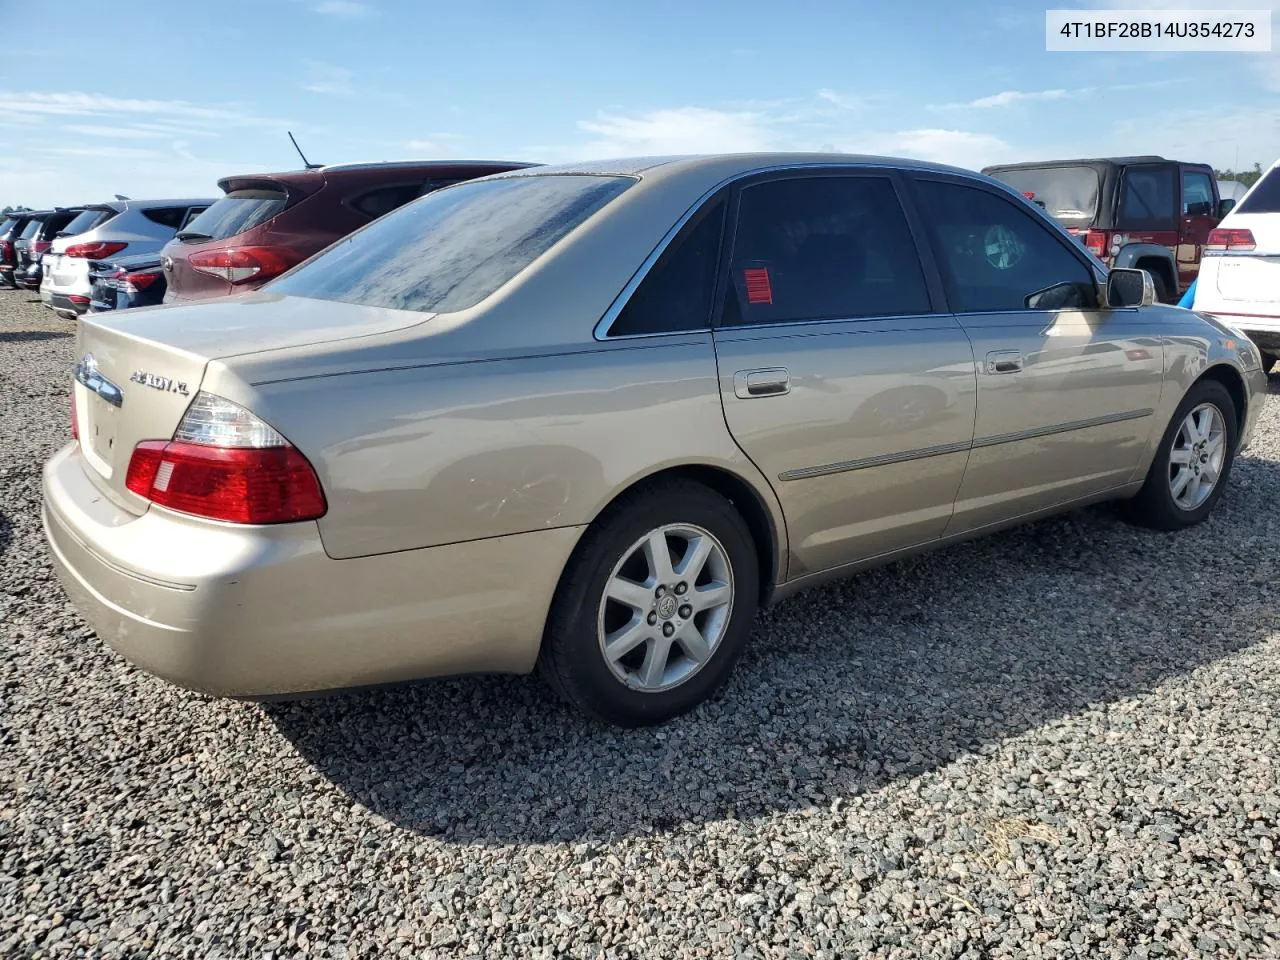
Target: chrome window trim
601	329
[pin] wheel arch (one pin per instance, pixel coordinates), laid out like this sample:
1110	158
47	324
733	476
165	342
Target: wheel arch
1233	381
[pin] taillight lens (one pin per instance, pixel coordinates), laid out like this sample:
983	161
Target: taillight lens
6	249
1231	240
243	264
95	251
1095	241
138	281
224	463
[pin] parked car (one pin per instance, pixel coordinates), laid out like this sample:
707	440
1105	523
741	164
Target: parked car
34	241
267	223
1231	193
104	230
588	418
1145	212
127	282
11	227
1240	276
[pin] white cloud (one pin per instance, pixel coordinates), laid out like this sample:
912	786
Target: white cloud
114	132
37	106
327	78
103	153
1007	98
677	130
343	8
958	148
842	100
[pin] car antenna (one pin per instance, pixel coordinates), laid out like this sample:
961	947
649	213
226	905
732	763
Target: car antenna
305	162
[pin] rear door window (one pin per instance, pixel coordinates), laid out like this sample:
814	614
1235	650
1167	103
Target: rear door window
454	248
823	248
238	211
1148	199
1265	196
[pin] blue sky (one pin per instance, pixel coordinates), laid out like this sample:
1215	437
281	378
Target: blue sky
174	95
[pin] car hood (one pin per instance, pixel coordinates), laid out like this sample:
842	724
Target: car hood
258	322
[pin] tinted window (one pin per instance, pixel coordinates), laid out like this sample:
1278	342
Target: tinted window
451	249
31	229
7	224
238	211
1068	193
997	255
676	295
1265	195
56	224
1148	199
170	217
376	203
191	215
87	220
1197	194
822	248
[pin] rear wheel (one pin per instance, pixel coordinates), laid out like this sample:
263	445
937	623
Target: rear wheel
1193	461
655	606
1164	292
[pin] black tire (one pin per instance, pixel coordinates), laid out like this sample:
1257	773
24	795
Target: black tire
1154	505
571	659
1164	293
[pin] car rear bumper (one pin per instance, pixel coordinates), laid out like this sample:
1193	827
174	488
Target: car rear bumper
263	611
64	305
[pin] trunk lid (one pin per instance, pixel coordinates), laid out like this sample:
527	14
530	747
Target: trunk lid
138	370
1252	277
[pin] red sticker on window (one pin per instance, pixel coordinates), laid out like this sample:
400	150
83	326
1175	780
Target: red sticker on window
758	289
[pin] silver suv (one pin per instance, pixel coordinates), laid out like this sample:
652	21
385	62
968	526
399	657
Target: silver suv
104	231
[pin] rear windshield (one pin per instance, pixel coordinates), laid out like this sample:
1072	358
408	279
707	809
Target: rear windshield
1069	194
87	220
238	211
1265	197
451	249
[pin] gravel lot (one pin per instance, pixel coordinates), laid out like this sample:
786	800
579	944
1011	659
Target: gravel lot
1061	741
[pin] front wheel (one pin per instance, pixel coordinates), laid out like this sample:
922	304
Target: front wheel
1193	461
655	606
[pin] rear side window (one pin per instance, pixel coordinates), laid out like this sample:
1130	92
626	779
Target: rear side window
1265	196
382	200
170	217
31	229
238	211
452	249
55	225
87	220
7	224
676	295
822	248
998	257
1148	199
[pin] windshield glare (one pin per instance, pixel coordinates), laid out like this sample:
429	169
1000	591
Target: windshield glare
455	247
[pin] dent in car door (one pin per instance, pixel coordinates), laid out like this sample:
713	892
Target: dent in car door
1066	391
850	395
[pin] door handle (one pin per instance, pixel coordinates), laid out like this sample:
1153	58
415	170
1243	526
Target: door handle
767	382
1004	361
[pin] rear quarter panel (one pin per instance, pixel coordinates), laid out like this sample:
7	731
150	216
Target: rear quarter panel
451	452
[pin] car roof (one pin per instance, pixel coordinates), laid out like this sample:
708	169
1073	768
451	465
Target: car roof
1095	161
728	165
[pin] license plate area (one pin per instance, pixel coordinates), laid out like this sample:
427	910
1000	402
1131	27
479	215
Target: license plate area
97	422
1250	278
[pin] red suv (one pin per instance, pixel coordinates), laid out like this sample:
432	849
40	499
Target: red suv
268	223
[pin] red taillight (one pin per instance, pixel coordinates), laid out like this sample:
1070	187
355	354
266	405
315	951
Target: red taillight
1095	241
6	249
235	484
138	281
95	251
77	299
244	263
1230	239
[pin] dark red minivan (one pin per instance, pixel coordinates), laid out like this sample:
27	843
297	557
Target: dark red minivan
268	223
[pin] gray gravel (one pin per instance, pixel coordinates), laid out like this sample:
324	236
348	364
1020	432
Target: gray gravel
1057	742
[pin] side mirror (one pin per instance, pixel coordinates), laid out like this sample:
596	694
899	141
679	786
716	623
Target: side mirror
1225	207
1127	287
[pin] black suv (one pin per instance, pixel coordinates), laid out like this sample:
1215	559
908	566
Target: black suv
1145	212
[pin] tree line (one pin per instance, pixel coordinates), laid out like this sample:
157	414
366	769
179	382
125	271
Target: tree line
1247	177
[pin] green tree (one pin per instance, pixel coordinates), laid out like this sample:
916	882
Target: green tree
1247	177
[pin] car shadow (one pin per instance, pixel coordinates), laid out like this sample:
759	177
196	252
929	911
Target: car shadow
843	689
27	336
